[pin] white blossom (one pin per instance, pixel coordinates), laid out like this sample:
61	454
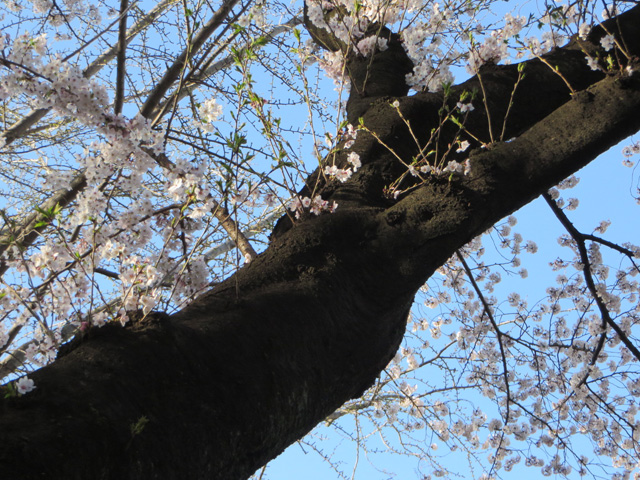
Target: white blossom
24	385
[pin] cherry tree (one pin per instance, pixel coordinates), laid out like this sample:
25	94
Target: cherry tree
216	218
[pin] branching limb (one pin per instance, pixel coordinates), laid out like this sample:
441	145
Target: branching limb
194	80
494	324
26	234
579	238
23	126
173	72
614	246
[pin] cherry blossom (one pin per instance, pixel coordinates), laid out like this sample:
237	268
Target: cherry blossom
24	385
607	42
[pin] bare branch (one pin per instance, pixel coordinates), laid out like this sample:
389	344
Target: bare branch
173	72
143	23
231	227
194	80
122	56
579	238
256	229
499	335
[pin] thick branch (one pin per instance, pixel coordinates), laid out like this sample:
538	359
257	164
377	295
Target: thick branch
122	57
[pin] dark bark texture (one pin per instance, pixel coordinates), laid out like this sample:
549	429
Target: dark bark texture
225	385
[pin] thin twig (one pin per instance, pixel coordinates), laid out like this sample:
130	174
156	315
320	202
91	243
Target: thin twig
194	80
173	72
513	92
557	72
579	238
499	334
486	107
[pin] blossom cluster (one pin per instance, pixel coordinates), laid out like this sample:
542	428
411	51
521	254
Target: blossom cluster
210	111
334	66
432	61
425	31
452	166
300	205
628	152
495	47
344	174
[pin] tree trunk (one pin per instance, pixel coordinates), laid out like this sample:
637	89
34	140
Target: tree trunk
220	388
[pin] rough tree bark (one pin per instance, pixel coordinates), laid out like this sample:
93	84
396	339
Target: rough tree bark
226	384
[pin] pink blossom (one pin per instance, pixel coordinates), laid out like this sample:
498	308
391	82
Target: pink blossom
341	174
24	385
593	63
354	159
463	146
465	107
147	302
607	42
584	30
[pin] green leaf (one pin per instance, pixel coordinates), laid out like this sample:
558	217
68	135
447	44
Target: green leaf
48	213
456	121
260	41
10	390
138	427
